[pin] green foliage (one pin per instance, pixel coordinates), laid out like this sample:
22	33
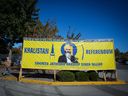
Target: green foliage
117	54
47	30
66	76
82	76
3	47
126	55
120	55
17	18
93	76
16	51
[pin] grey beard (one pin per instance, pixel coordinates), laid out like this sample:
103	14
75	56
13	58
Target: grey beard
68	55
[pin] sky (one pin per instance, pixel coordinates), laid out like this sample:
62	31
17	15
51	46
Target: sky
94	19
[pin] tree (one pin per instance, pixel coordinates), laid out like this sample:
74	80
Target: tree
16	50
48	30
17	18
126	55
117	54
72	36
3	47
123	56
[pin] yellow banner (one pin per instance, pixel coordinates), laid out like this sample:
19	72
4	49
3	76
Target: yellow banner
68	55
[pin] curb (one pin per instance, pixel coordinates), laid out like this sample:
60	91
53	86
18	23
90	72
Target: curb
57	83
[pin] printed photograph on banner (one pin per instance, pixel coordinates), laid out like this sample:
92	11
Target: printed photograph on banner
68	51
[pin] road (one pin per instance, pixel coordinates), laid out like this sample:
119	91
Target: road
13	88
122	71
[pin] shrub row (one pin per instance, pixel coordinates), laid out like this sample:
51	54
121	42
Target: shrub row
77	76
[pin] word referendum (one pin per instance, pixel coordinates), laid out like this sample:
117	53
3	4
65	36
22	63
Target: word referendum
108	51
36	50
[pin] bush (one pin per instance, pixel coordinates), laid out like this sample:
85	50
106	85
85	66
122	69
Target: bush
82	76
93	76
65	76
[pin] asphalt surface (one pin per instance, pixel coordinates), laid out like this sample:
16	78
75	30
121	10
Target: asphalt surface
14	88
122	66
122	72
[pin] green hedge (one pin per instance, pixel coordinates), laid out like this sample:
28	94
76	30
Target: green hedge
93	76
66	76
82	76
77	75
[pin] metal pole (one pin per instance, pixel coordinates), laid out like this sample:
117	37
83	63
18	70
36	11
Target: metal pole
104	75
54	75
20	74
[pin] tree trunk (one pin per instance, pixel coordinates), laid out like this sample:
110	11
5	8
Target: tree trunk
10	54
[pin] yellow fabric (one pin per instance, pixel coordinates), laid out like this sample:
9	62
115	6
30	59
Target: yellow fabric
91	55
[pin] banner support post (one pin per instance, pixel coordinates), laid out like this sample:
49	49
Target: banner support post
116	76
104	75
54	75
20	74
